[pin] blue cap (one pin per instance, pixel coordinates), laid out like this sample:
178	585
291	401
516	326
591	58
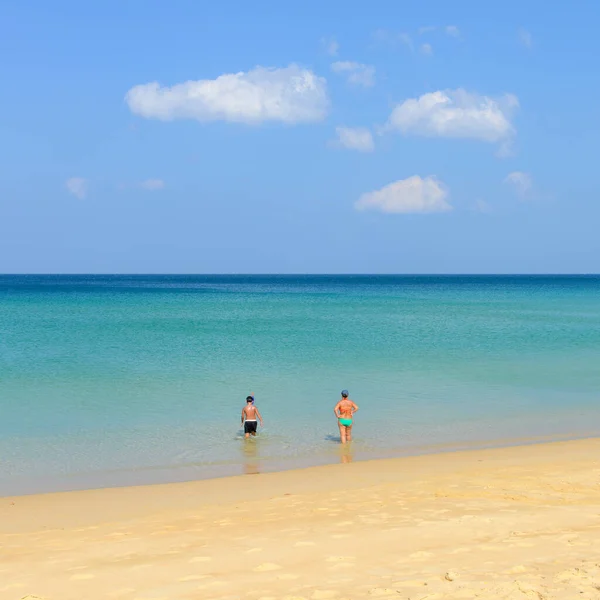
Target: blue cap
345	393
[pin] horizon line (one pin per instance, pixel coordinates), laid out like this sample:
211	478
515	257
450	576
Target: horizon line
306	274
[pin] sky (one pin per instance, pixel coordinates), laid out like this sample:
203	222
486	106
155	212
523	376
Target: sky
146	136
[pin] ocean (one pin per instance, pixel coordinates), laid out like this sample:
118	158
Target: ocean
122	380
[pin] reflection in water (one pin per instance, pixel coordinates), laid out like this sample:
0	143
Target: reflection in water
251	463
346	454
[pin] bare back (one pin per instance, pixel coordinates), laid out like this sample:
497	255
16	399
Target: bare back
346	408
250	413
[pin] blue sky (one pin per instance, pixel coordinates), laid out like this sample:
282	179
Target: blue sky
339	137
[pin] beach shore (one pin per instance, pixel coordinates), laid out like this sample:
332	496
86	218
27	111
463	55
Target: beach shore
518	522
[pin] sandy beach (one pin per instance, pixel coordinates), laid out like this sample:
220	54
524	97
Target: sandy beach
519	522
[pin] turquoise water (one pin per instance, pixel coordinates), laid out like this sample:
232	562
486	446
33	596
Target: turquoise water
110	380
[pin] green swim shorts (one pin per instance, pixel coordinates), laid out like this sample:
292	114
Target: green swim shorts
346	422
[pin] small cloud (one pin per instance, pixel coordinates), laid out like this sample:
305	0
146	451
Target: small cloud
289	95
391	39
426	49
354	138
407	41
383	36
482	206
152	184
412	195
456	114
331	46
357	73
506	148
521	182
78	186
525	38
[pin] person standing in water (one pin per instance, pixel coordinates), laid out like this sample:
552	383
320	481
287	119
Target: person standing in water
344	412
249	416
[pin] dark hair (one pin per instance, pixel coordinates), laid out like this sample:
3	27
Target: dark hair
249	399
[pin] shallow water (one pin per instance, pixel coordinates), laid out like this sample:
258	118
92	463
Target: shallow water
110	380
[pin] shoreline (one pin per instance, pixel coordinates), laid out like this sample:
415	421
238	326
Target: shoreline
158	475
369	470
518	521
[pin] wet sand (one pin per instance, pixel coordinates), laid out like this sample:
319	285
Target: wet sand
516	523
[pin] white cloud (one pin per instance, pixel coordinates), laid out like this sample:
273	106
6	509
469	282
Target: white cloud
357	73
525	38
288	95
426	49
456	114
521	182
152	184
412	195
78	186
331	46
427	29
354	138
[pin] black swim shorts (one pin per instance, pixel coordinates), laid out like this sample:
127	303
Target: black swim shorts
250	426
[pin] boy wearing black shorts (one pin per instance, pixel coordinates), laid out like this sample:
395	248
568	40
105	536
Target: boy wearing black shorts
250	415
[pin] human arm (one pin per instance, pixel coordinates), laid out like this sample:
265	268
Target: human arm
336	410
354	408
259	417
243	415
